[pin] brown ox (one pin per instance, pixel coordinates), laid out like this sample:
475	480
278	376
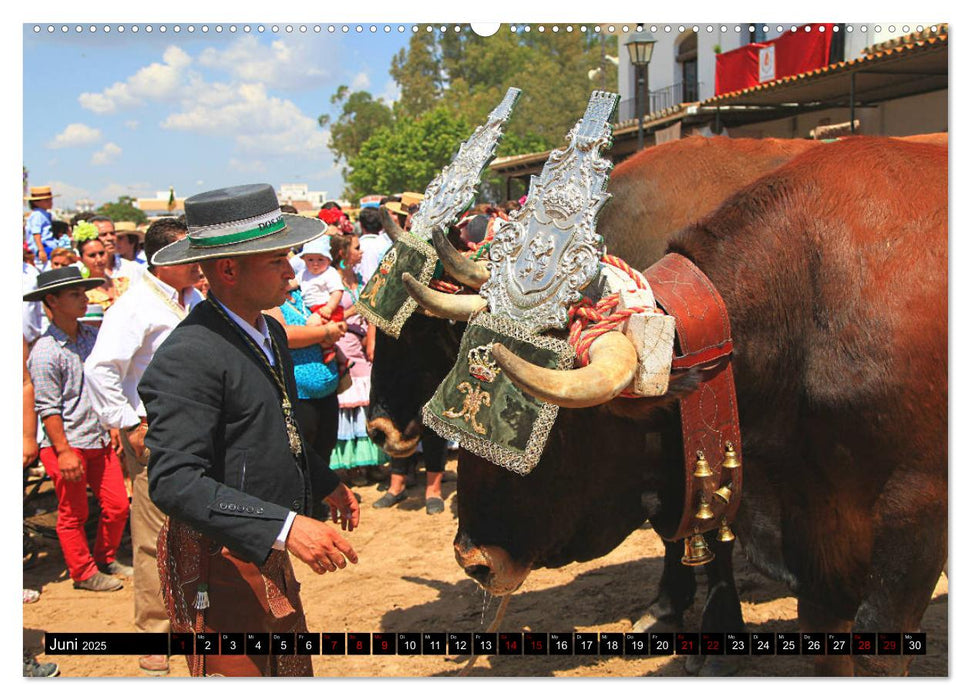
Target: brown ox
833	269
655	193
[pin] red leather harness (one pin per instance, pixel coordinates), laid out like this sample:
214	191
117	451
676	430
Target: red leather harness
709	415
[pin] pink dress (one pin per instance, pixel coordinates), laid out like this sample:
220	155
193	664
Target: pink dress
354	447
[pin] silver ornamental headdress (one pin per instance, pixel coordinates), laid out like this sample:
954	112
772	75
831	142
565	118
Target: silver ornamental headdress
385	301
541	259
453	190
549	250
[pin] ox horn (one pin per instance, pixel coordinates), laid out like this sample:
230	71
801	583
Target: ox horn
389	223
457	307
471	274
613	361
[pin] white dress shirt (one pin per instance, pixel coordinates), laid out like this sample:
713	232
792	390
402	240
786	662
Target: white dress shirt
133	328
373	248
126	268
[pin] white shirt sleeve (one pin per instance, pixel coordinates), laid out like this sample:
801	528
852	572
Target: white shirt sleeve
281	539
106	369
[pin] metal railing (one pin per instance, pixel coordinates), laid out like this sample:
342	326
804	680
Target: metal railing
660	99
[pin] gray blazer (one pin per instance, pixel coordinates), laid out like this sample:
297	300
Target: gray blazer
220	458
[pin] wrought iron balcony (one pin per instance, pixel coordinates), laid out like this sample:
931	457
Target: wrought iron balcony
660	99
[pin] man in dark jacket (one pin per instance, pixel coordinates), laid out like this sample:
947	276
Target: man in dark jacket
228	465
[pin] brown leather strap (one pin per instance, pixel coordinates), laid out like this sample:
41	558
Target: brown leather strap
704	333
709	415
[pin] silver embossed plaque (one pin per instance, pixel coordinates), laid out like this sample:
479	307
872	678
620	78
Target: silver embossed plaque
453	190
549	250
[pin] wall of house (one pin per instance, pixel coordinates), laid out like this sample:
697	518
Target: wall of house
664	70
918	114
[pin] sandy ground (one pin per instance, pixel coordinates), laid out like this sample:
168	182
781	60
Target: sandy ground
407	581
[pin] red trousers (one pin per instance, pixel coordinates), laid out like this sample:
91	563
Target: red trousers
102	471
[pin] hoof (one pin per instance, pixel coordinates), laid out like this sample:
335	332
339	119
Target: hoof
649	623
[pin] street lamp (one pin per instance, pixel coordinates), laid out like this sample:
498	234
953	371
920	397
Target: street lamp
640	46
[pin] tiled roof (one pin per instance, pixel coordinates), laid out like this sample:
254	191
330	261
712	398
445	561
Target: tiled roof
879	53
935	30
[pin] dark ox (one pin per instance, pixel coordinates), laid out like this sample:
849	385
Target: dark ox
655	193
833	269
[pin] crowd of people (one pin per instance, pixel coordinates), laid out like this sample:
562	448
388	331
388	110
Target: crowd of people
96	309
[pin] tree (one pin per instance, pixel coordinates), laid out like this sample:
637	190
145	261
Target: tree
418	72
407	155
123	210
361	116
472	74
460	77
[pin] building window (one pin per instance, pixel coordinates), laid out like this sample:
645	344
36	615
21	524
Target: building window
688	59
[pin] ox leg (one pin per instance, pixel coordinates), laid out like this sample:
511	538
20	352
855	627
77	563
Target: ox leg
676	593
906	566
723	611
814	618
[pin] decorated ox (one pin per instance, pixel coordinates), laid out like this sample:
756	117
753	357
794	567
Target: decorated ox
655	193
833	270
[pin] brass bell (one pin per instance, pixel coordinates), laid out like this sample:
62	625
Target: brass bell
702	470
731	457
724	493
696	551
704	510
725	533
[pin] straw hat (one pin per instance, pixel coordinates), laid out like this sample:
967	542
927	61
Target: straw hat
38	193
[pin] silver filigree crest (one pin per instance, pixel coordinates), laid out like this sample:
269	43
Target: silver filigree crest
549	250
453	189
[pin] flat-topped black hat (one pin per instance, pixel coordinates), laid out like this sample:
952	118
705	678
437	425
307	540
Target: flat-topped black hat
242	220
59	278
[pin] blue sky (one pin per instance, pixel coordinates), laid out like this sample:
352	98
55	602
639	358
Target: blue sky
137	113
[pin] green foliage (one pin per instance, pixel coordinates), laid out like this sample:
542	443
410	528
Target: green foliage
361	116
408	155
123	210
459	77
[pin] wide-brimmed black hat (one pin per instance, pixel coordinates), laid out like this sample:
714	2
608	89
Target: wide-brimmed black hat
60	278
241	220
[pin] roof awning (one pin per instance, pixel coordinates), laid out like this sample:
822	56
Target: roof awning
911	65
894	72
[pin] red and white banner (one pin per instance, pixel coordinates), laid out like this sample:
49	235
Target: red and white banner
792	53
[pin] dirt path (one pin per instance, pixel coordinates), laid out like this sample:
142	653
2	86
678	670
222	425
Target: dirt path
407	581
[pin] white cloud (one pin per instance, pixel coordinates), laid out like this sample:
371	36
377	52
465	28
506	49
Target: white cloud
294	63
246	165
261	124
68	194
132	124
361	81
153	82
112	191
108	154
75	135
391	93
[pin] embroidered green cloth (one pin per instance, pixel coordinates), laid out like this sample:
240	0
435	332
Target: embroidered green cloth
385	301
477	405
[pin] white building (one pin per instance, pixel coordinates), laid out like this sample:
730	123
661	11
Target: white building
297	193
683	66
